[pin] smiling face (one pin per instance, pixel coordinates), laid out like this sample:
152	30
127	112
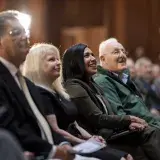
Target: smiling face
90	62
51	65
114	58
14	42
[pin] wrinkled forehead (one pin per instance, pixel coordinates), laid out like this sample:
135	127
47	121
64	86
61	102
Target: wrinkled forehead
110	47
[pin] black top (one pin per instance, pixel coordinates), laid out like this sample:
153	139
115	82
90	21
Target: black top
64	109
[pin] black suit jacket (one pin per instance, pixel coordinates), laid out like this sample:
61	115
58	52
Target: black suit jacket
17	116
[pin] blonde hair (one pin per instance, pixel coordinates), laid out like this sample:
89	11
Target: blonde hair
32	67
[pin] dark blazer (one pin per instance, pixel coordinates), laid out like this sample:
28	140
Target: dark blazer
91	113
17	117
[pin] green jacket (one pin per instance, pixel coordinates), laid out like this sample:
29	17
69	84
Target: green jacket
124	98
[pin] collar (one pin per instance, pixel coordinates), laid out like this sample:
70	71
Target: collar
124	76
11	67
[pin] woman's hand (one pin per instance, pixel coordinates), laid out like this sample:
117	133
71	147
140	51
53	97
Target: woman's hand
136	126
28	155
128	157
138	120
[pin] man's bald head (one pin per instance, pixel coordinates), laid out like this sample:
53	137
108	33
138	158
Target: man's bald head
107	46
112	55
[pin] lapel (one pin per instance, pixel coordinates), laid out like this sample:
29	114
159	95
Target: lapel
13	87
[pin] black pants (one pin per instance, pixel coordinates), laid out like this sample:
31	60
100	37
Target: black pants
142	145
9	148
107	153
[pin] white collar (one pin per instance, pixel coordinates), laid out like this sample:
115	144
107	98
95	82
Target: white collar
11	67
124	77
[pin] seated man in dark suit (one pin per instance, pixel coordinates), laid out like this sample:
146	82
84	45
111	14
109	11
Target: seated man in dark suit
21	109
114	79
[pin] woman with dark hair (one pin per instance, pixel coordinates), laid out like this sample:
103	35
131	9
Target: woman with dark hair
95	114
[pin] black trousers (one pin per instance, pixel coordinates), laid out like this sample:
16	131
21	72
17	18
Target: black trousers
142	145
107	153
9	148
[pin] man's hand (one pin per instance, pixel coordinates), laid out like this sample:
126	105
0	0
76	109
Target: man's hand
28	155
128	157
138	120
99	139
63	152
136	126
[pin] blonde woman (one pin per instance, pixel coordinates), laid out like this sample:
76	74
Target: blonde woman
43	67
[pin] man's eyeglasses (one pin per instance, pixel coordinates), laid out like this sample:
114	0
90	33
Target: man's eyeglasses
19	31
117	51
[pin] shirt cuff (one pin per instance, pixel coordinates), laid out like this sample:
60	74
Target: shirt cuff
52	153
64	143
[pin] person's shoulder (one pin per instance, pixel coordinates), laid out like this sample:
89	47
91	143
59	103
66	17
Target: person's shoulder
101	78
75	89
44	91
31	85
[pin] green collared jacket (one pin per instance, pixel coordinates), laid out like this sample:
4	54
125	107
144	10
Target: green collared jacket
124	98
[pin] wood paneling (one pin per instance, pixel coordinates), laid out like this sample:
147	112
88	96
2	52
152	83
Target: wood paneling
134	22
37	9
92	36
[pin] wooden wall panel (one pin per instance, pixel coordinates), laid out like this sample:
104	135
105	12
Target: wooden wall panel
83	12
37	9
137	25
92	36
134	22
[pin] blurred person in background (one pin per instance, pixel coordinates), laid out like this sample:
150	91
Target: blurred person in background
131	67
145	76
155	71
156	87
